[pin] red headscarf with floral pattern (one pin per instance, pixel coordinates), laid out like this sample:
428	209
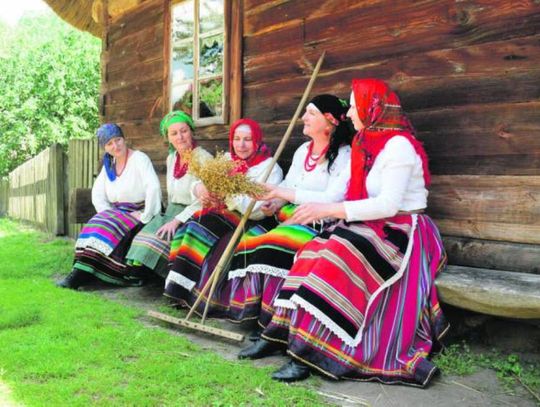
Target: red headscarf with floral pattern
261	151
380	111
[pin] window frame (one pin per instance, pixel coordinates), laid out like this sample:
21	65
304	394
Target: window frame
232	62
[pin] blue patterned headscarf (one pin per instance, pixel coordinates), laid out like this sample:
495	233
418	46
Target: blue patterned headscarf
108	131
105	133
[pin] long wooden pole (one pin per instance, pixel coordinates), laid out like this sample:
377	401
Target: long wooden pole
229	250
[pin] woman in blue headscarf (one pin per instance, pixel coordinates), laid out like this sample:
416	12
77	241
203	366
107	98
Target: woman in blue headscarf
126	195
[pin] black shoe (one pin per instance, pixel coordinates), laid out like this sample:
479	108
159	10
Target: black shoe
260	349
292	371
75	279
255	335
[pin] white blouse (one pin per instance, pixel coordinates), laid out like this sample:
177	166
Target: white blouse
240	203
318	185
394	183
138	182
180	191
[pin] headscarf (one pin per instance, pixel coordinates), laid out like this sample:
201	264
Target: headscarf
379	109
176	116
105	133
261	151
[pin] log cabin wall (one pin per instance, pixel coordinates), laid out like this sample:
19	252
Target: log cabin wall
468	73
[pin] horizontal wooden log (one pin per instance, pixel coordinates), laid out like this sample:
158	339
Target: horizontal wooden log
492	255
147	14
501	199
80	205
504	232
515	164
493	292
151	70
151	89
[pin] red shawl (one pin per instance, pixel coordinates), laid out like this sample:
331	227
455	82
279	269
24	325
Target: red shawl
261	151
380	111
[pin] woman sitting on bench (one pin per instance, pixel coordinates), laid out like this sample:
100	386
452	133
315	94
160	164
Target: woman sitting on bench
126	195
150	249
262	261
360	301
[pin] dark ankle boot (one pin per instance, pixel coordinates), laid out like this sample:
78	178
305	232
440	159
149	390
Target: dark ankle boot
291	371
255	335
260	349
75	279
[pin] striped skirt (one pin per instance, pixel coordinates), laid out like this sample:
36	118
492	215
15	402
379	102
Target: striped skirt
195	251
259	267
104	241
360	301
148	250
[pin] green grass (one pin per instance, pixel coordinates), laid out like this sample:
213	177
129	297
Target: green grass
61	347
459	359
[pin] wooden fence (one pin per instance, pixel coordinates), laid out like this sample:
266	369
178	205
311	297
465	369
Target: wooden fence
83	167
36	191
39	190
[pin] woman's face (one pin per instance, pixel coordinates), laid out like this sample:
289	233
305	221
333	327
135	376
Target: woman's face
116	147
180	136
352	113
315	124
243	144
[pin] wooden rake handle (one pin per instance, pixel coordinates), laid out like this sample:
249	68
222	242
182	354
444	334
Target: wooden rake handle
229	250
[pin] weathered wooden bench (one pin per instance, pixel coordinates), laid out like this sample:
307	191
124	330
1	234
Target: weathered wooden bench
505	293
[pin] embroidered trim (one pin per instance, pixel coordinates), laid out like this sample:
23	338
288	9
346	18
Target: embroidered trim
179	279
284	303
258	268
94	243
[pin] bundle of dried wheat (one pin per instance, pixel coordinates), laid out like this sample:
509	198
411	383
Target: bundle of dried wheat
220	175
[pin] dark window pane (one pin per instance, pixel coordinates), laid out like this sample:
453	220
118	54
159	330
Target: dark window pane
211	97
211	56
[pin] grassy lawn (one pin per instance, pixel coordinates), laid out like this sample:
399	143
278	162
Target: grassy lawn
60	347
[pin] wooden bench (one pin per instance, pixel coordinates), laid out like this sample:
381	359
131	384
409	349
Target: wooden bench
488	291
494	292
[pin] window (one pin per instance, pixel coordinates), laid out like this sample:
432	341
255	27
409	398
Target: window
200	59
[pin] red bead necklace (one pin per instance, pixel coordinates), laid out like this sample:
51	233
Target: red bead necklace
310	163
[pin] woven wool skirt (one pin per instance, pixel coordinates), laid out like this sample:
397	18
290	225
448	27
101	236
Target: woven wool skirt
195	251
360	302
259	267
104	241
147	249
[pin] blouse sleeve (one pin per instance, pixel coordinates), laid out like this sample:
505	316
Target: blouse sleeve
189	210
152	201
99	196
240	203
395	175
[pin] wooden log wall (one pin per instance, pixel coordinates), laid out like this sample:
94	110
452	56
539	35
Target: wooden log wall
36	191
468	73
83	167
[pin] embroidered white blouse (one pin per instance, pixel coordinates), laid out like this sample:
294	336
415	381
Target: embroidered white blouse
394	183
180	191
138	182
318	185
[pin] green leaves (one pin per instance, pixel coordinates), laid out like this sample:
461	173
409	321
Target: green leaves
49	87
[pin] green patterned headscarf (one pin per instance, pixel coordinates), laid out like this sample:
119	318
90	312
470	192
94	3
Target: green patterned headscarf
176	116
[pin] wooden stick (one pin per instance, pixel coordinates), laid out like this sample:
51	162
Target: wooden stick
227	254
199	327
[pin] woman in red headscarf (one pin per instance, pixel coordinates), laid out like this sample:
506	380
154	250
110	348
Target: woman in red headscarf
360	301
201	240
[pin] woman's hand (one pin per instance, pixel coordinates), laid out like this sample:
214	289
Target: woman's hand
206	198
137	215
167	231
270	207
312	212
274	191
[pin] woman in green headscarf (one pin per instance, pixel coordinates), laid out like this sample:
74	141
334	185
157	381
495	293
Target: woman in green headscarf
150	248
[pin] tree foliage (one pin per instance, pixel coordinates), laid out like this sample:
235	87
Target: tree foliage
49	86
